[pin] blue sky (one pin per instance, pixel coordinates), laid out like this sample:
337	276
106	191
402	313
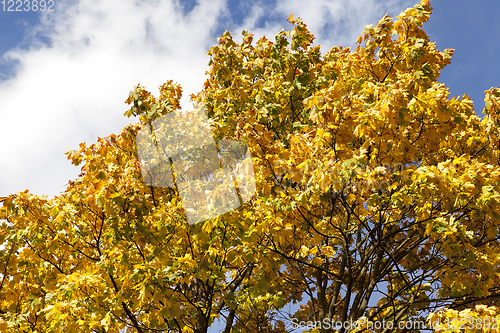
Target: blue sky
65	74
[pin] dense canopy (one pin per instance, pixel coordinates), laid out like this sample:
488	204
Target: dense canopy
377	198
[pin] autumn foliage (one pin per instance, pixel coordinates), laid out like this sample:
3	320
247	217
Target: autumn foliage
377	198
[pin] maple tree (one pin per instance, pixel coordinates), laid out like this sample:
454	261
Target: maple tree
377	199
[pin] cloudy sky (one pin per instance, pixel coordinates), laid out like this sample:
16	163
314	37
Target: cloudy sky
64	74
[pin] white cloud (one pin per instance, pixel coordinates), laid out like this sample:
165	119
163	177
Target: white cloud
341	22
333	22
73	88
